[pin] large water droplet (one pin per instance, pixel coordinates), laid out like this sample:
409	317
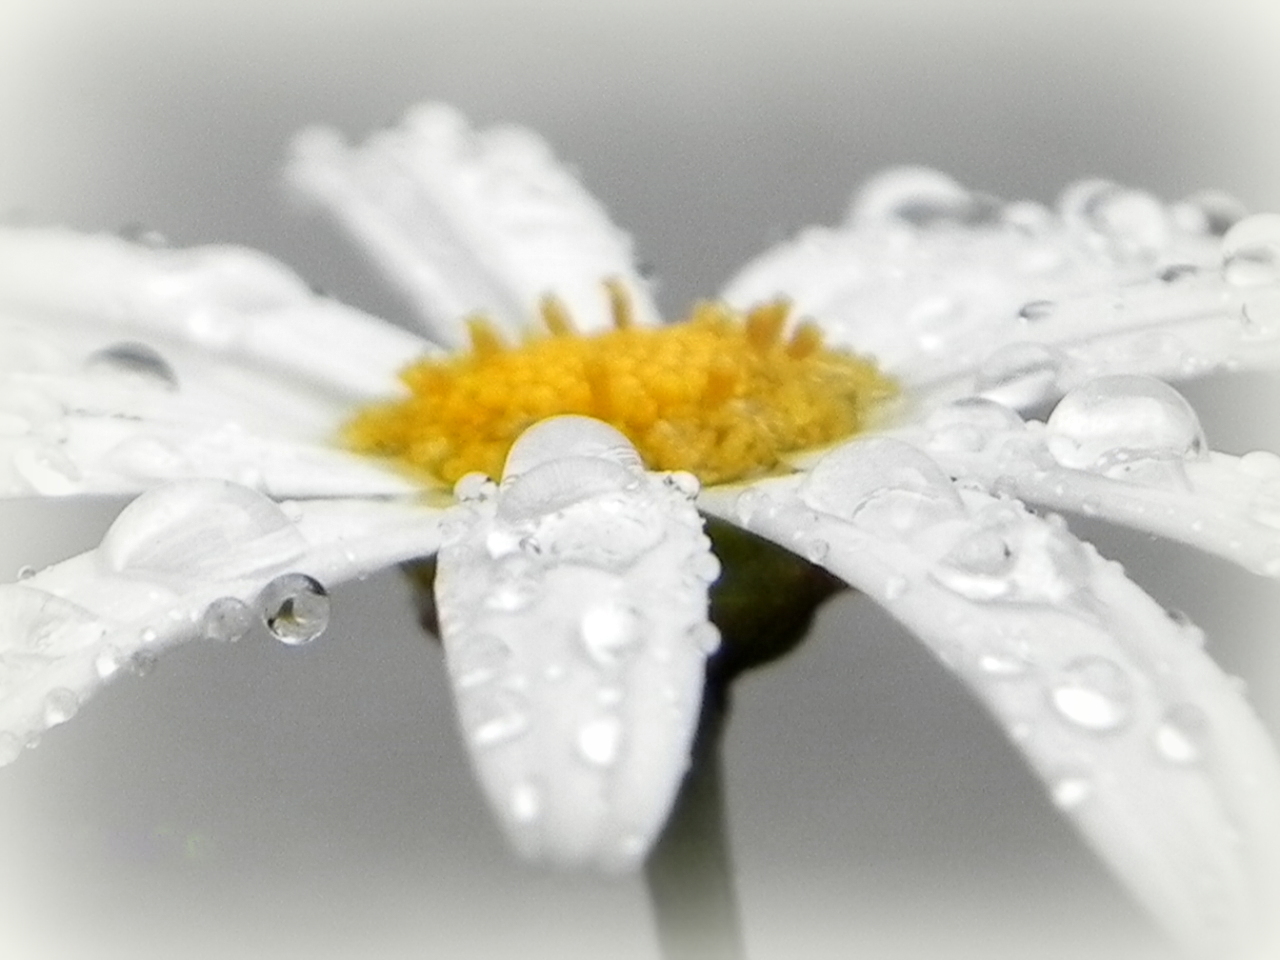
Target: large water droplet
886	486
1095	694
978	567
136	361
1182	734
1116	424
506	724
200	528
1133	221
570	436
610	632
1251	251
226	619
553	486
599	741
705	637
683	483
295	608
1034	311
1020	374
921	197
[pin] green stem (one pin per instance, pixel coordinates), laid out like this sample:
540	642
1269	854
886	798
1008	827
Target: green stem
689	873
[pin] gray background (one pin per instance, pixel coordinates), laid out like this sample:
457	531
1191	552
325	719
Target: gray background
258	801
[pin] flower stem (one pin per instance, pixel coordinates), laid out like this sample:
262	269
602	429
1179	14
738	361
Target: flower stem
689	873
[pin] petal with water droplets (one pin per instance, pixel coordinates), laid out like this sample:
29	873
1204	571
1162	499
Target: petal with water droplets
574	626
471	222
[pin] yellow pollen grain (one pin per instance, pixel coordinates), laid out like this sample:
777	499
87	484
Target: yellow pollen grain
723	395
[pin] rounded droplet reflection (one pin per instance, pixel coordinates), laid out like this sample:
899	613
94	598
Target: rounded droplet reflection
295	608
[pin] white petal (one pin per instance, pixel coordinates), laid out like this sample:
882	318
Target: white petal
1126	449
112	378
471	222
199	559
962	293
1137	734
573	609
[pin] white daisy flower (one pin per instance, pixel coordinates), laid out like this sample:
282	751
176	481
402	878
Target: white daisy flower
854	396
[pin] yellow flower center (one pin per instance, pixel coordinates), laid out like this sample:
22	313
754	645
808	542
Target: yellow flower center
723	395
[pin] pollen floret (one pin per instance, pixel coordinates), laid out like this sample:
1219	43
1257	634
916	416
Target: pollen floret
724	395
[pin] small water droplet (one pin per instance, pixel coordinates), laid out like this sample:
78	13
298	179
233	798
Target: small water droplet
295	608
1212	211
508	724
705	566
683	483
600	741
978	567
610	633
1034	311
1095	694
60	705
26	572
1132	222
747	504
1182	734
895	587
226	619
1070	791
1020	374
705	636
525	803
109	662
816	550
148	635
922	197
134	360
474	487
1002	665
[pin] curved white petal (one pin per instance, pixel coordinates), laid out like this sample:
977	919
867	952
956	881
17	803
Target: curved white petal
198	559
1125	449
471	222
573	610
1138	735
122	367
961	293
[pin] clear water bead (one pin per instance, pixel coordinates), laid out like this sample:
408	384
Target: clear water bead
886	486
1020	374
295	608
978	567
610	633
1251	251
1116	420
226	619
599	741
1182	734
570	436
1070	791
1095	694
921	197
134	360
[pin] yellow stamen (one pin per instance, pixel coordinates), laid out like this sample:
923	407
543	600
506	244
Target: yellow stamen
721	395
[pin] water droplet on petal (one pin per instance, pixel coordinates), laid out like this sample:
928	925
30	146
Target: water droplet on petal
886	486
525	803
705	567
60	705
474	487
683	483
1130	220
192	527
226	619
1070	791
109	662
1182	734
921	197
1034	311
1020	374
26	572
295	608
816	550
1095	694
705	636
600	741
1251	251
477	658
570	436
1116	424
610	633
978	567
136	361
505	725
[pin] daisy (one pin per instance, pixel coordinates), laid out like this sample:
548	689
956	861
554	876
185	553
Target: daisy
855	396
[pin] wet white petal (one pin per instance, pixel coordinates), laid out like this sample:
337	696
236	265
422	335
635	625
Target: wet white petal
573	609
1126	449
471	222
1137	734
185	561
960	293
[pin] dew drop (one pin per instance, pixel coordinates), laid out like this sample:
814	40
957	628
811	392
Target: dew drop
978	567
570	436
1115	421
705	637
895	587
610	633
136	361
683	483
26	572
109	662
1070	791
525	803
599	741
705	566
886	486
226	619
208	527
1095	694
1020	374
1213	212
512	595
474	487
1034	311
295	608
1133	221
60	705
816	550
1182	734
921	197
970	424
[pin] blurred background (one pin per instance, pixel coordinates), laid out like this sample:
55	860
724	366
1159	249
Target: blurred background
263	801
